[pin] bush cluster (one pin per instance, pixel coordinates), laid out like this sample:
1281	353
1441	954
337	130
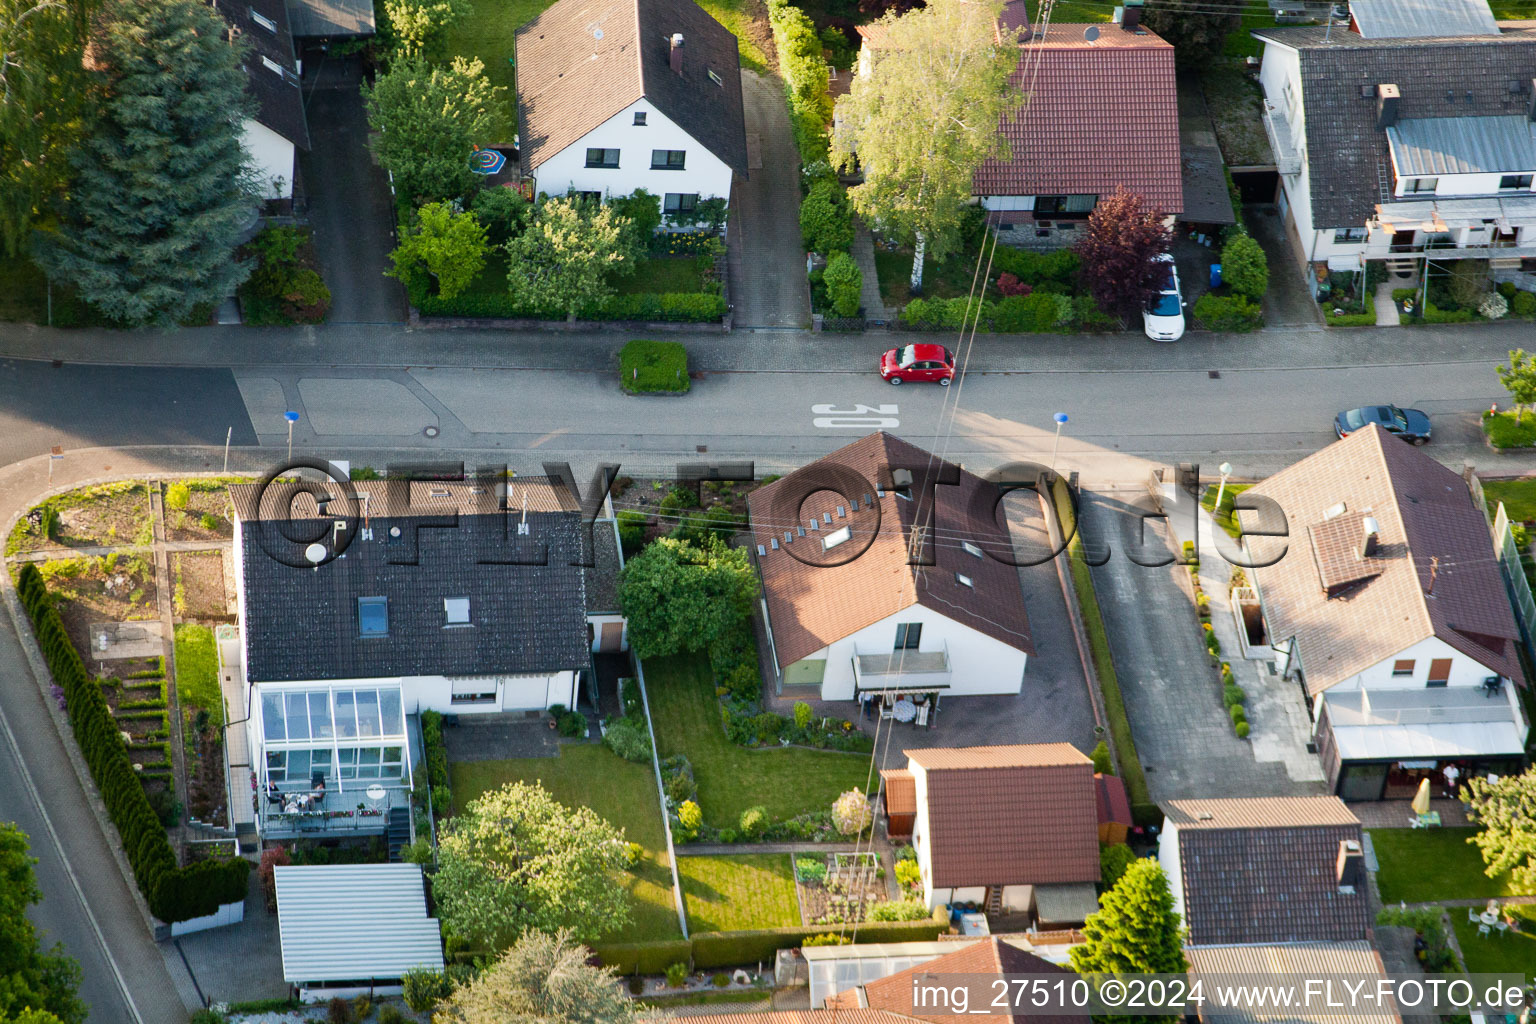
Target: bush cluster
281	289
628	738
677	780
826	220
1231	314
653	366
670	307
174	893
1038	312
1035	269
898	910
423	989
436	763
806	74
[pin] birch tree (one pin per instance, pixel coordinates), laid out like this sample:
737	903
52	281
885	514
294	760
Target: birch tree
924	118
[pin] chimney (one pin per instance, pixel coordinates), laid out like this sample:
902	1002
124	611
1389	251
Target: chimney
1530	102
1350	867
1371	529
1132	16
675	56
1387	96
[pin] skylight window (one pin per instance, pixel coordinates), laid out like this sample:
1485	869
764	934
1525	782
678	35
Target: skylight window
716	78
272	65
456	611
836	537
373	616
964	580
264	21
972	548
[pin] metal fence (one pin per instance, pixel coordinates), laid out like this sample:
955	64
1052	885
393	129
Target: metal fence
1515	580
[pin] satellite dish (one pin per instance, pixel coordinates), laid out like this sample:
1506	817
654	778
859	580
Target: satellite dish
597	33
316	553
1091	33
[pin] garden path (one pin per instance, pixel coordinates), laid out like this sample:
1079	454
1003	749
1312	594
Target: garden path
164	584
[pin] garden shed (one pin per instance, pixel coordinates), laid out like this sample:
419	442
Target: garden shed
354	929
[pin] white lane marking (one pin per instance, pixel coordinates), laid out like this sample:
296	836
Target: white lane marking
866	417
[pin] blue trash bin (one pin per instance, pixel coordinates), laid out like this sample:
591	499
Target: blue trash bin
1215	275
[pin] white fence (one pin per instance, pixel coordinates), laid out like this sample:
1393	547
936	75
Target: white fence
1514	576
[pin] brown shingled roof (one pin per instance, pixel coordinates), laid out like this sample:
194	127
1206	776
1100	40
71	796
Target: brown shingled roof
1426	516
1017	815
900	791
1263	870
831	1016
811	606
990	957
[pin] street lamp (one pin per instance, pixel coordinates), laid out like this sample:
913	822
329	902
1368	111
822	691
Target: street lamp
292	418
1226	471
1061	420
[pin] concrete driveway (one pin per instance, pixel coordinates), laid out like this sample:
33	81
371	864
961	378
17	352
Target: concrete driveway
1183	735
350	208
767	265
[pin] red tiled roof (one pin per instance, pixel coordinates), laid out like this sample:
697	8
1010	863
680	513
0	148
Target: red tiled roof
1019	815
813	605
989	958
900	791
1113	804
1097	115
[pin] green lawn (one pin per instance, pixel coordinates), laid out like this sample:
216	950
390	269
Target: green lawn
738	893
197	670
662	274
1426	865
1518	496
1504	431
1224	518
1511	953
731	778
620	792
945	280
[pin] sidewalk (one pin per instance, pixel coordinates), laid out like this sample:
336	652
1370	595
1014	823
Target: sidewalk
875	309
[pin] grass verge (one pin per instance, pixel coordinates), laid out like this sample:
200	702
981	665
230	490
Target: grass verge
724	894
1425	865
618	791
1510	953
788	782
1503	431
654	366
1223	516
197	671
1518	496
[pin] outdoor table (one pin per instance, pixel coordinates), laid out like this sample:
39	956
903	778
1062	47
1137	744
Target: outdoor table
375	794
1489	917
904	710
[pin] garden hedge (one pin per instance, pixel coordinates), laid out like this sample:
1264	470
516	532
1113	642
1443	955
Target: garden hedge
709	950
679	307
174	893
644	957
806	75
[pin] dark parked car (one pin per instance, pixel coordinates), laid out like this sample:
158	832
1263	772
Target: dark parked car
1409	424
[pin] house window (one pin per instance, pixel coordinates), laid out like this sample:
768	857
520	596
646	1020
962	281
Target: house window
373	616
1402	667
908	635
640	118
1342	235
667	159
262	20
590	197
1065	206
1515	181
602	158
1412	185
455	611
477	690
680	202
1439	672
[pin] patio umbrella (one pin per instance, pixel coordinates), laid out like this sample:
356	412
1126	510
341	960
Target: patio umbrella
1421	798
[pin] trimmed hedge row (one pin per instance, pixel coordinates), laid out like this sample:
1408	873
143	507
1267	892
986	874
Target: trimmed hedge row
678	307
1039	312
174	893
806	75
709	950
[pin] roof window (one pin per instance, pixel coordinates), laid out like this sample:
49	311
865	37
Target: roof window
262	20
373	616
972	548
716	78
272	65
456	611
836	537
964	580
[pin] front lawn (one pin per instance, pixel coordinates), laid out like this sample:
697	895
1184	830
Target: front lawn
788	782
1426	865
1504	432
726	894
661	274
197	671
945	280
1510	953
1518	496
1223	516
620	792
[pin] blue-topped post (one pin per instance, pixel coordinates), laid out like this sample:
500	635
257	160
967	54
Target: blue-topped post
1061	420
292	418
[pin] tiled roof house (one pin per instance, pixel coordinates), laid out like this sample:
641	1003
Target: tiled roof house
863	602
280	127
1390	604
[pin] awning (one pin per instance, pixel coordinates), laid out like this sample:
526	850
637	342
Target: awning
903	688
1429	742
1065	904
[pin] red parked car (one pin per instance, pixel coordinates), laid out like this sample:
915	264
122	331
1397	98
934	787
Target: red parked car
918	362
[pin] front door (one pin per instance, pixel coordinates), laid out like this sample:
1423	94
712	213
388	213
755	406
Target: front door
1402	241
611	638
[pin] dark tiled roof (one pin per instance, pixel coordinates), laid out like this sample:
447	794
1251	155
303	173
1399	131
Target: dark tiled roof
1345	150
279	99
1427	522
333	19
569	81
1018	815
811	606
990	958
302	623
1098	115
1337	547
1264	871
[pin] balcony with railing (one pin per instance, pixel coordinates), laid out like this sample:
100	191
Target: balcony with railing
901	670
1281	142
362	808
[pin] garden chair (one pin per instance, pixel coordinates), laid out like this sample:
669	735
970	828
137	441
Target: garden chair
1502	927
1472	915
1483	929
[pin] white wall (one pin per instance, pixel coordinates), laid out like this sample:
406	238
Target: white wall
1465	671
1017	899
703	173
978	664
921	836
513	693
270	158
1461	185
1168	858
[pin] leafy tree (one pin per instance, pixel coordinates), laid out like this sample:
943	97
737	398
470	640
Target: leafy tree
1244	266
1114	859
429	119
1196	33
1119	252
450	246
162	192
563	258
1135	930
1506	810
544	979
43	88
1102	763
418	24
826	222
643	211
845	284
1468	283
1519	379
31	978
680	597
502	211
925	118
516	861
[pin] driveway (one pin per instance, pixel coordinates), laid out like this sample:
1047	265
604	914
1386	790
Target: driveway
349	200
1183	735
1288	303
767	264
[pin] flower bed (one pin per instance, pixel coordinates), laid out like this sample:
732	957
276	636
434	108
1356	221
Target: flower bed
840	888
